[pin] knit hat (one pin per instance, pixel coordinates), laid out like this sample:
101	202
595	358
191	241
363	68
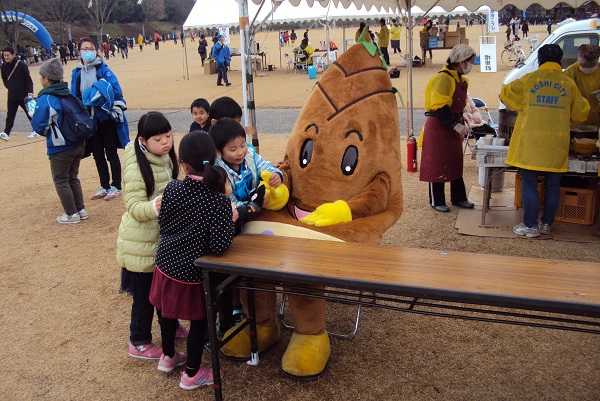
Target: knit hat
52	69
550	53
460	53
219	37
589	51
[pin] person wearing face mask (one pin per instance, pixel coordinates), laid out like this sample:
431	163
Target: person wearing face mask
99	89
547	102
444	130
586	75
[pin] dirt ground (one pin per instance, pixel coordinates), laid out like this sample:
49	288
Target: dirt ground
65	327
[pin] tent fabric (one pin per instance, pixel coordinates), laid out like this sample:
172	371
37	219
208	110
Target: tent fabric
448	5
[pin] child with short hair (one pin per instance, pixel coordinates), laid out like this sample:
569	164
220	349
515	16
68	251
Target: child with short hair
225	107
242	164
64	157
195	218
149	163
200	113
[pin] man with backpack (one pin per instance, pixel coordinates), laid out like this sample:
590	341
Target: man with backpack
222	58
66	124
17	80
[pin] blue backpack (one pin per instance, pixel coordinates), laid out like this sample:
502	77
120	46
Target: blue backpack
77	124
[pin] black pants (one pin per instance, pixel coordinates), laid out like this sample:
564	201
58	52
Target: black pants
104	147
457	192
484	129
386	56
195	341
142	311
11	112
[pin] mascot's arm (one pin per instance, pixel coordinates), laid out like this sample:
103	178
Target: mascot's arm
372	200
278	196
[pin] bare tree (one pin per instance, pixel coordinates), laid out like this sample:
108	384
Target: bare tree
154	9
59	13
100	11
10	20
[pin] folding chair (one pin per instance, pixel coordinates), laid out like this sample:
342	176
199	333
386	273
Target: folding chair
480	104
300	63
290	63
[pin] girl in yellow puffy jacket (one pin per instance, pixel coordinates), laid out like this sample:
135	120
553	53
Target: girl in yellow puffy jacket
149	164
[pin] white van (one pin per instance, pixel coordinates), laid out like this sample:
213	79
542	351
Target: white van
569	37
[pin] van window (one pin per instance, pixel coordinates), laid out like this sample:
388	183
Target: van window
570	46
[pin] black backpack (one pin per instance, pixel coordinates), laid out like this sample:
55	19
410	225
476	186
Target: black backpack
77	124
202	46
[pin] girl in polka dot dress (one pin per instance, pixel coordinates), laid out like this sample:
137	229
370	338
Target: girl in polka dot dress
196	217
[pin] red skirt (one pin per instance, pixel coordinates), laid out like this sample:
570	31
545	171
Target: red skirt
176	299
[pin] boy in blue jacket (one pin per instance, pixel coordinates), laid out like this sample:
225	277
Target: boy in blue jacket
222	58
64	157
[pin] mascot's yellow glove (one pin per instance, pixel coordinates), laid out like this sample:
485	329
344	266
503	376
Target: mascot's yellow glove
278	196
328	214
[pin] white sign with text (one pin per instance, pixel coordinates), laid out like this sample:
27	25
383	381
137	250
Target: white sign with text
487	53
493	25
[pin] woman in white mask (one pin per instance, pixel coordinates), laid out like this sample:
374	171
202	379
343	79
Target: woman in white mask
444	130
112	132
586	75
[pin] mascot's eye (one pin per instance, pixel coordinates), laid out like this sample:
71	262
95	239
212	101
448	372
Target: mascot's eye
350	160
306	153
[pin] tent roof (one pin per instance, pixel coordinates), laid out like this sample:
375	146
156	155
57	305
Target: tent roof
210	13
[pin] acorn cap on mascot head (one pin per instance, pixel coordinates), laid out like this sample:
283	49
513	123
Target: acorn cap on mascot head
347	137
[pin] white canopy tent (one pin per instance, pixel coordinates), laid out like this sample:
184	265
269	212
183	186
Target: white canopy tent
322	8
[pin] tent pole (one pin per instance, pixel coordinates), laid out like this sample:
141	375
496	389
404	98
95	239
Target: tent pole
410	75
247	78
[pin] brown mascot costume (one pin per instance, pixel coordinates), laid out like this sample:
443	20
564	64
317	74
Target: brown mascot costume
342	167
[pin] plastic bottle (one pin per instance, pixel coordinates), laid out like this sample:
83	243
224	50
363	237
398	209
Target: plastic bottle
30	104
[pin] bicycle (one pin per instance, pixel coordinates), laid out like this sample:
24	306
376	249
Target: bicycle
512	54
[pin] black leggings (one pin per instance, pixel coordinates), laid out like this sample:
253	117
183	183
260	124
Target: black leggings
195	341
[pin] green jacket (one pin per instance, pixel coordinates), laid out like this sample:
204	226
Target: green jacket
138	233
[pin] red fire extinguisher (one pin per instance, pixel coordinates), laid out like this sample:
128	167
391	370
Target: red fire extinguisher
411	154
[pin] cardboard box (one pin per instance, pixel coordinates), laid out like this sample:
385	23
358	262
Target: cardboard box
441	43
452	41
210	67
462	32
464	41
453	34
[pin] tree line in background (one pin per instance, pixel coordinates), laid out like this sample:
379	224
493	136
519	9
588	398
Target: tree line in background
57	15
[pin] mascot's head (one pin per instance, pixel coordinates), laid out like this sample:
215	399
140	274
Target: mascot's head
346	134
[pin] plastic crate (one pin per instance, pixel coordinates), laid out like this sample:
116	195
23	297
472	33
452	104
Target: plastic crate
519	190
578	205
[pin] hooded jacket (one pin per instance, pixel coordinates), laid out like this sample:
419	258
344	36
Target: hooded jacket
221	54
137	242
48	117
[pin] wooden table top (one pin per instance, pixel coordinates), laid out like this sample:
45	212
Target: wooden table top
538	284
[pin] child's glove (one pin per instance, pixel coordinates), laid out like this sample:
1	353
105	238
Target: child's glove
328	214
277	196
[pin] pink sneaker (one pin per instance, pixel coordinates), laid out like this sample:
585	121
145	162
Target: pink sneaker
204	377
167	364
182	333
145	351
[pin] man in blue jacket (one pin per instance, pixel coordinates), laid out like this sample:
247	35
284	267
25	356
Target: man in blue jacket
222	58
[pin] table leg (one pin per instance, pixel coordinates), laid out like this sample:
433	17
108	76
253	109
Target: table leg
254	359
487	191
211	316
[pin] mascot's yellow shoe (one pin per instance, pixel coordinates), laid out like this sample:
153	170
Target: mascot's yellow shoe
239	346
306	356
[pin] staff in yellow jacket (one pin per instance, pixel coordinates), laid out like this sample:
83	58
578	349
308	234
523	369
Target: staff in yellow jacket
395	36
384	41
547	102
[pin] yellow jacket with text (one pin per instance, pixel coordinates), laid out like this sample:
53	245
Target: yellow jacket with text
587	83
547	101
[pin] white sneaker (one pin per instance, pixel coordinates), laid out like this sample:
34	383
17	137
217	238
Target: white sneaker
33	135
83	215
523	230
113	192
4	136
66	219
